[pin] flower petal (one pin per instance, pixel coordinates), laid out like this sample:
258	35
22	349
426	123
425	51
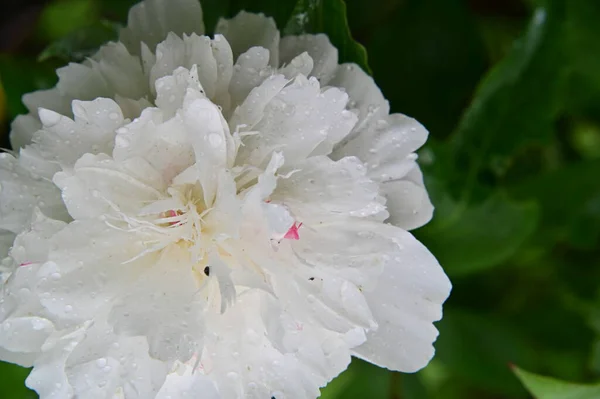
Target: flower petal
63	140
48	377
163	144
407	201
247	30
302	64
284	124
322	189
364	94
188	387
22	129
209	134
387	148
405	302
249	71
99	186
104	364
21	192
150	21
167	290
320	50
186	52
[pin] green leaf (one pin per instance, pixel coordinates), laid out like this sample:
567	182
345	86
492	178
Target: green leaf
81	43
59	18
549	388
517	102
470	238
329	17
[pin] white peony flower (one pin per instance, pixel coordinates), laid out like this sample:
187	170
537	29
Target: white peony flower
212	218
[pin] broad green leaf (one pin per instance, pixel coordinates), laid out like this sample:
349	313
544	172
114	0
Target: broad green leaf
517	102
549	388
81	43
469	238
329	17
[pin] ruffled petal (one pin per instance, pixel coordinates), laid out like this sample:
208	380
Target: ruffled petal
99	186
387	148
284	125
406	301
407	201
209	134
150	21
63	140
188	386
320	190
166	290
22	129
186	52
247	30
365	97
249	71
320	50
104	364
281	358
48	377
163	144
21	192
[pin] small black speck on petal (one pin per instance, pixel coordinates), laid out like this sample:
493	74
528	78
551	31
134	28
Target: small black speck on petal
207	270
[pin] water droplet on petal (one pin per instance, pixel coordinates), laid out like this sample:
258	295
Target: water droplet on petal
215	139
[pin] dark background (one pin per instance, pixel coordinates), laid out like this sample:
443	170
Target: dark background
510	92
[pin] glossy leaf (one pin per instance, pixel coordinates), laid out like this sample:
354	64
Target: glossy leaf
471	238
517	102
549	388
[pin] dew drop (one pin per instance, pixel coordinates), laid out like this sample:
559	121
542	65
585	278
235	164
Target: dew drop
233	375
215	139
101	363
121	141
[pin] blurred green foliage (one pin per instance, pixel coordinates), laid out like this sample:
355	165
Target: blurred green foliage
510	91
